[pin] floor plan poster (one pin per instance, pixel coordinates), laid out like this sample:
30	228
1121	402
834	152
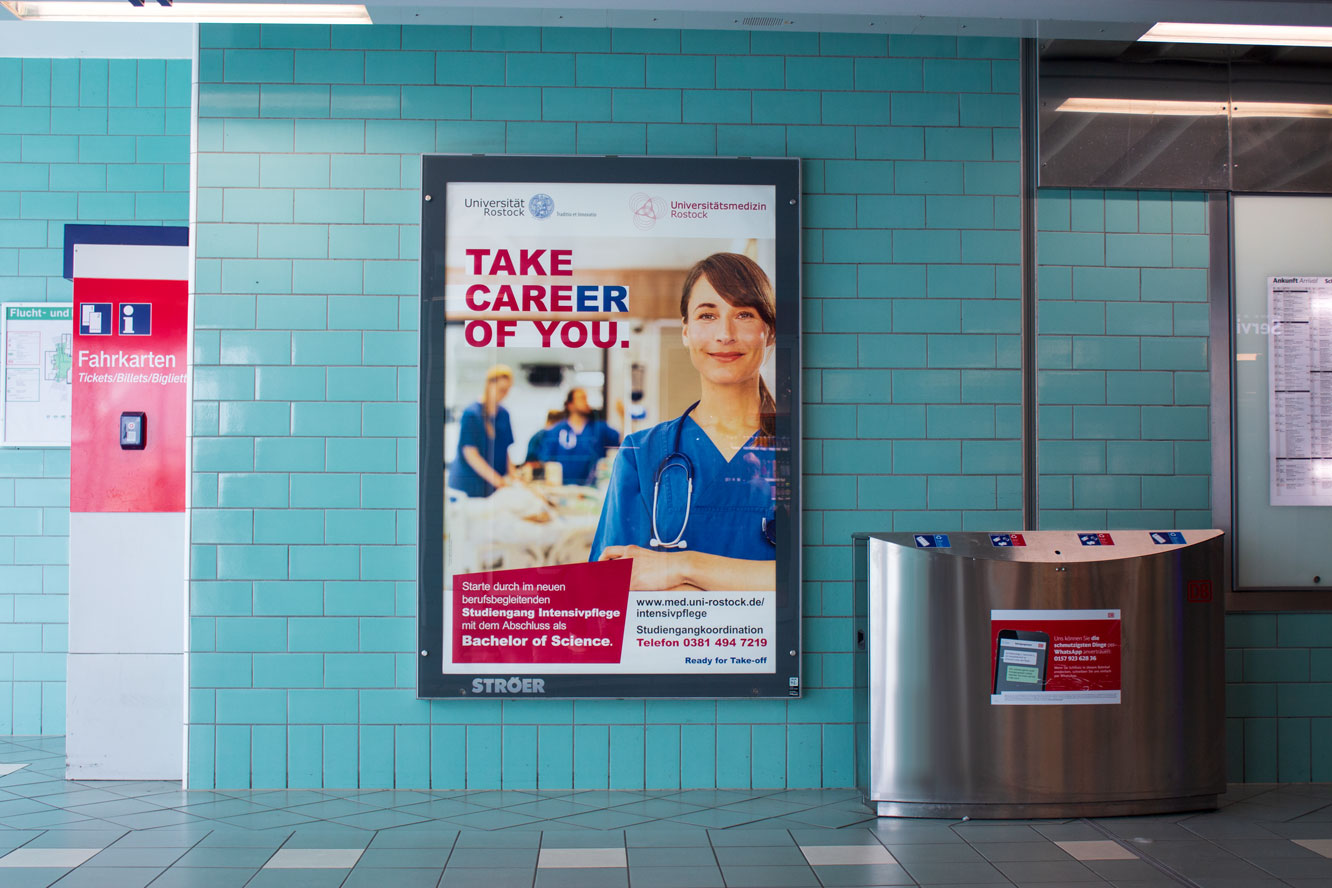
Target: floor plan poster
38	356
1300	375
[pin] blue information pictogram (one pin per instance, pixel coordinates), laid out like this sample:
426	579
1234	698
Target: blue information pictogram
95	319
1167	537
1095	539
932	541
999	540
136	318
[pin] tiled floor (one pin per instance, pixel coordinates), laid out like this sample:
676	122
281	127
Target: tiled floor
135	834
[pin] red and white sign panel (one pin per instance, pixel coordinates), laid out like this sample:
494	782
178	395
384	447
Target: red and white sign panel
131	329
1052	657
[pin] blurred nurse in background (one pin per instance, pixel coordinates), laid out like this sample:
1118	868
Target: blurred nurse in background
482	462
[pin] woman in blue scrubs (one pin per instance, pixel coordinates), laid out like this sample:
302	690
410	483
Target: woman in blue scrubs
482	462
578	442
709	473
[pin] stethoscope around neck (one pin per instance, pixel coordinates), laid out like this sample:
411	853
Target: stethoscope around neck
677	459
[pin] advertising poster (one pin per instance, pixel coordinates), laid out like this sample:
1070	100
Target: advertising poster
609	352
1054	657
38	342
1300	376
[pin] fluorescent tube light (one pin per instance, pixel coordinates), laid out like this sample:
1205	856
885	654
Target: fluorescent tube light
120	11
1272	35
1187	108
1167	107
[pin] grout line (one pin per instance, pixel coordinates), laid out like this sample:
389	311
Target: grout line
1151	861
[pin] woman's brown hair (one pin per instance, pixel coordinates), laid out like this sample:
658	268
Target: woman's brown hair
742	283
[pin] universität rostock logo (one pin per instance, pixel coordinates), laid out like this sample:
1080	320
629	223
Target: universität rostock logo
646	210
540	206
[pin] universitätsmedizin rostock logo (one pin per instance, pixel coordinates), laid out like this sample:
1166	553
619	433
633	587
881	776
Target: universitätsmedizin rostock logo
646	210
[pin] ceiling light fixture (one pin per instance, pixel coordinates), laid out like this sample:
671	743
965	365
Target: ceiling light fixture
117	11
1188	108
1244	35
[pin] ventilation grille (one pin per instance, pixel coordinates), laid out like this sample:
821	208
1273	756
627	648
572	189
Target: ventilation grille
762	21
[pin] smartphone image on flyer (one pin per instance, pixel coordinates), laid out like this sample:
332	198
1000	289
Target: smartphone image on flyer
1020	660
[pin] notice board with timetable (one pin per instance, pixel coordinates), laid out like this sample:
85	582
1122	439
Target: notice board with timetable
1281	426
38	361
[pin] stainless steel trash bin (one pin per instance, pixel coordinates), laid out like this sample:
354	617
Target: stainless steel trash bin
1043	674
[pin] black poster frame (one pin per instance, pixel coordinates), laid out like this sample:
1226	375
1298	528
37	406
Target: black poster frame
438	171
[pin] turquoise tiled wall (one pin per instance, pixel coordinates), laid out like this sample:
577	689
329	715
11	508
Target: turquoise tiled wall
88	141
1123	381
1279	697
303	603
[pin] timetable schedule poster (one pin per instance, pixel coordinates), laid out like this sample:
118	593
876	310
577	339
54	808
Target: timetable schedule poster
1300	376
606	342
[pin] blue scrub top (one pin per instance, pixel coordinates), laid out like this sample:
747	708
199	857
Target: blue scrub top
730	499
576	452
495	450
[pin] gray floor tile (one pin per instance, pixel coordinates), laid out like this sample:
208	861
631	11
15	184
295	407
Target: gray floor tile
370	877
959	852
507	839
832	817
1069	832
715	818
1262	849
895	831
996	851
66	838
34	856
668	835
129	856
184	836
1057	871
481	877
874	874
315	858
218	856
265	819
32	878
480	858
947	872
188	877
398	858
1125	870
675	877
1225	882
770	855
562	838
546	808
582	878
581	858
850	836
769	877
298	878
230	837
427	835
1312	867
380	819
979	833
486	819
1146	827
612	818
654	857
111	877
327	835
751	837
